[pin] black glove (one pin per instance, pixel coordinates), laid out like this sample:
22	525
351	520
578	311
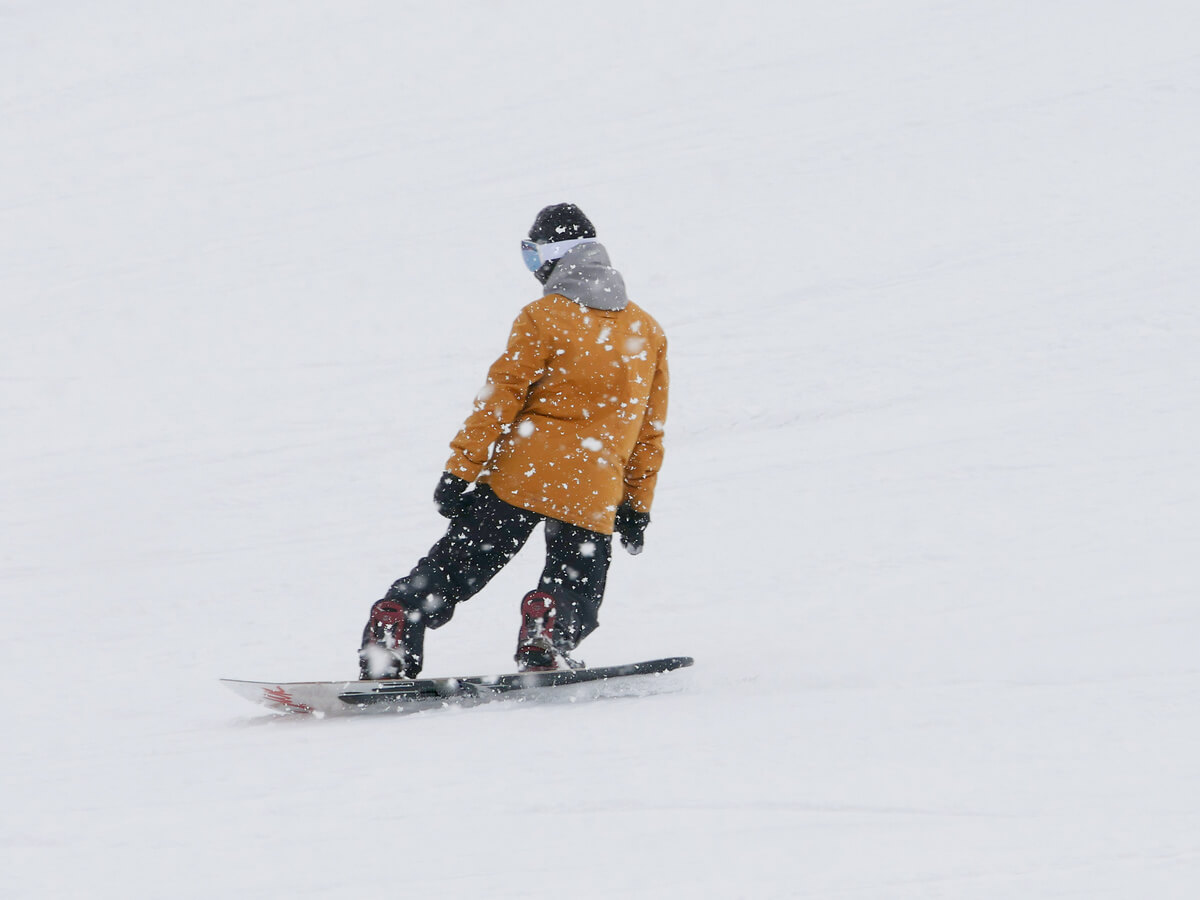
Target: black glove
631	526
452	497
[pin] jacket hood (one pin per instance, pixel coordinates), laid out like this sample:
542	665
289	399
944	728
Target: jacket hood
585	275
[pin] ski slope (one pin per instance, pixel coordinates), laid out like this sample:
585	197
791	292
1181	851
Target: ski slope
930	508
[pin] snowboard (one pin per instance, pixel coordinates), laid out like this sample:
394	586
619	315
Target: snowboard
341	698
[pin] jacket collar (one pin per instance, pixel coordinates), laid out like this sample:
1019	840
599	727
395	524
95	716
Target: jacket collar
585	275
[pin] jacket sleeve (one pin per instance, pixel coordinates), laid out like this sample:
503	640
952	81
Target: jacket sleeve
641	473
501	398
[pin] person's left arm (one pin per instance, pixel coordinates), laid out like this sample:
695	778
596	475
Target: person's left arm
502	398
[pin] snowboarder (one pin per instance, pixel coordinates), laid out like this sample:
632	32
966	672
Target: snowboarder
567	430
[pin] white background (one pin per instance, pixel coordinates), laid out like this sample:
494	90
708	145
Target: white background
929	515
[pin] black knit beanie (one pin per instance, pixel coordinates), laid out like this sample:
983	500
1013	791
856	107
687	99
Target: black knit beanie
561	222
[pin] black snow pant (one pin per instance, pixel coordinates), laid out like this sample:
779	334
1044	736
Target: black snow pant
479	543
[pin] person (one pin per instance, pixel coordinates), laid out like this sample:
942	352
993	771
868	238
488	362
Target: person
567	431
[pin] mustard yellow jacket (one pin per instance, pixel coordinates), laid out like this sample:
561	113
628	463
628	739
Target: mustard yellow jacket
570	421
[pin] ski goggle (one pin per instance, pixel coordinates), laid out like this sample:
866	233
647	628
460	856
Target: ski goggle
537	255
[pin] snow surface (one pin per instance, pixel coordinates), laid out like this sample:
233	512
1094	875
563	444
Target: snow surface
929	516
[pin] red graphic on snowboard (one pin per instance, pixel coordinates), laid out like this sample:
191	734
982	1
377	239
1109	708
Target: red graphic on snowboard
283	698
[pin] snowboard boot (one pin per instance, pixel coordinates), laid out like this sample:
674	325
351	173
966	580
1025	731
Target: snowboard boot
536	651
389	647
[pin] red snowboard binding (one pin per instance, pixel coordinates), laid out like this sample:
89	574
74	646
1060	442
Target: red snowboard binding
385	653
536	651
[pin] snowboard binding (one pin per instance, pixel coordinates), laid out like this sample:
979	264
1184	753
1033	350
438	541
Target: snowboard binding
390	649
536	649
